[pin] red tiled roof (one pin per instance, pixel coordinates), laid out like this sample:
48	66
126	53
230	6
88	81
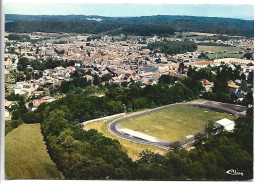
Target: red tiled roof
206	82
46	97
39	102
200	63
38	92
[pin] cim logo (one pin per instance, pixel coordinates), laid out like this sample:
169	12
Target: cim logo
234	172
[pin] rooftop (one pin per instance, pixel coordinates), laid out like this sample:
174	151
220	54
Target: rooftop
227	124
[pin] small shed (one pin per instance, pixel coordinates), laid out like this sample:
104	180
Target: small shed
227	124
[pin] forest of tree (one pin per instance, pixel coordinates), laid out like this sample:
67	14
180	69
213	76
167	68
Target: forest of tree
145	25
173	47
47	64
18	37
148	30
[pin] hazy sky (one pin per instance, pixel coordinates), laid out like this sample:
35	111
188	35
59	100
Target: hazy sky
119	10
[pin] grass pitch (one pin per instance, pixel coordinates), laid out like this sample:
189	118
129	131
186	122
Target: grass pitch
174	124
26	155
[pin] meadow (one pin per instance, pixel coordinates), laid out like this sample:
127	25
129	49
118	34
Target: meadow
221	51
26	155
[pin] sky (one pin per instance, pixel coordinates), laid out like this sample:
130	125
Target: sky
126	9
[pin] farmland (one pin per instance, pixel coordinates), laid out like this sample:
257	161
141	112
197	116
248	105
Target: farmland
173	124
221	51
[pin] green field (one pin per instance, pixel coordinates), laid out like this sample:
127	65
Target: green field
194	35
10	78
26	155
133	149
174	124
221	51
224	55
218	48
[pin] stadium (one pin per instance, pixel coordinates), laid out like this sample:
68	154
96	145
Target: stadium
175	122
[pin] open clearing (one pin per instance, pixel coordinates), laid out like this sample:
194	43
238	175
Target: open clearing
174	124
26	155
133	149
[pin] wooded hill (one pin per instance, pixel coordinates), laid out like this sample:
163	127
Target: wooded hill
143	26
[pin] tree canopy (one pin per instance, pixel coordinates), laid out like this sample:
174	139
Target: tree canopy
173	47
145	25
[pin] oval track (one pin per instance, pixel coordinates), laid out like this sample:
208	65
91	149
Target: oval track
237	111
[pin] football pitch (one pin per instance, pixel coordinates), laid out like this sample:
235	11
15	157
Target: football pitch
174	124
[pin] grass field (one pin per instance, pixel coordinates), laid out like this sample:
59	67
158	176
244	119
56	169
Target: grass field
218	48
194	35
221	51
174	124
133	149
224	55
26	155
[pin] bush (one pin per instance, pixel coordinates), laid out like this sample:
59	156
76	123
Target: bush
13	97
32	117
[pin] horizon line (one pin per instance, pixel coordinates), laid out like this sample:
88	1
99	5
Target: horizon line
240	18
245	12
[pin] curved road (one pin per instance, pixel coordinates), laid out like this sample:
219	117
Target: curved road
215	106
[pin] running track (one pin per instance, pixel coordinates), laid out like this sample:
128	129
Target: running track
235	110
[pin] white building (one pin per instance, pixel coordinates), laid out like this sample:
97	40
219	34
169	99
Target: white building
140	135
7	115
17	90
227	124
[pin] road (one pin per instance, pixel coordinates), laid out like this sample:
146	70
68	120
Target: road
215	106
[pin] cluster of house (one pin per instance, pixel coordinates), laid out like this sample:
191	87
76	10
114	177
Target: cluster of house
145	75
10	63
31	106
242	43
35	103
126	60
50	77
8	105
233	87
77	48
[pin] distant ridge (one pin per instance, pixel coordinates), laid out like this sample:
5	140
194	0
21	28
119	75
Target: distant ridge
147	25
